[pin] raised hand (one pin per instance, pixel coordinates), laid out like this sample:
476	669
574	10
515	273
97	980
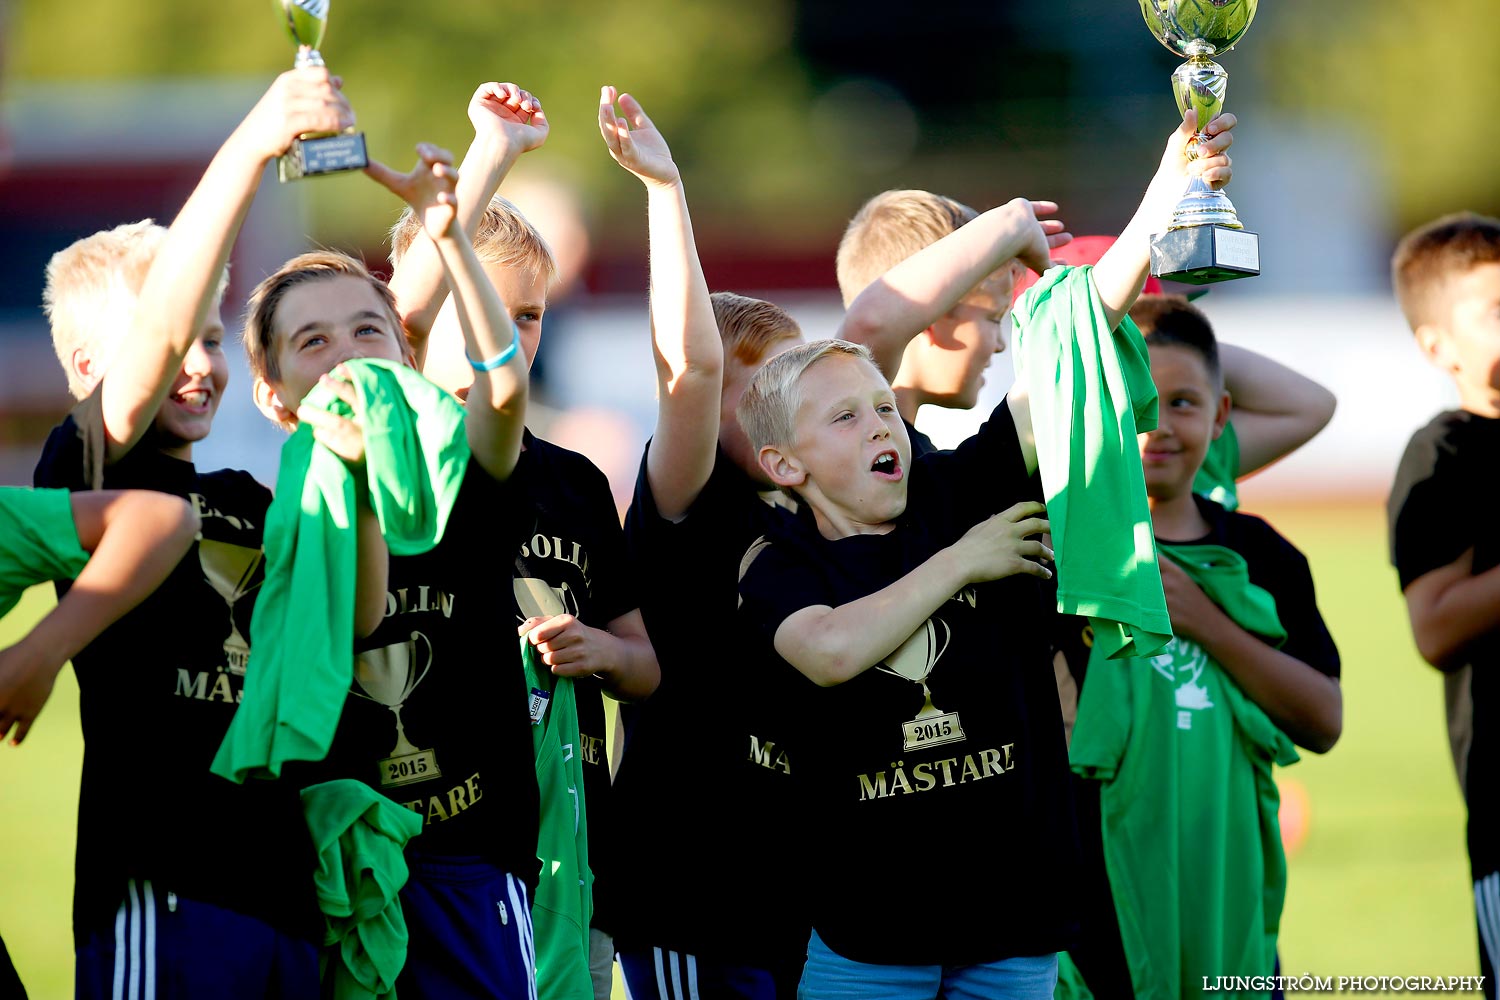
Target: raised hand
300	101
1188	157
633	141
1047	234
344	436
428	188
505	112
1003	545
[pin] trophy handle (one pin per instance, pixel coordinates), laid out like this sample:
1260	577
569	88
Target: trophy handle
426	667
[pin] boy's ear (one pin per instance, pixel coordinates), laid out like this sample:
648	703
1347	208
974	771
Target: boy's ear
1221	416
1433	340
88	371
269	403
781	467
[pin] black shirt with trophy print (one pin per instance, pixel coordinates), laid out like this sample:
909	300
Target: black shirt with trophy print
944	829
573	562
708	772
437	718
157	691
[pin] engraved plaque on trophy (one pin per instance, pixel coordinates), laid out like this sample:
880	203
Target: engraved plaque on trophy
1205	241
320	152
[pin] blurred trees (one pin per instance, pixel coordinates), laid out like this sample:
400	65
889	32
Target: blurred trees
1417	81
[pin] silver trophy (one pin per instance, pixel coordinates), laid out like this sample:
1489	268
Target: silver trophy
1205	241
320	152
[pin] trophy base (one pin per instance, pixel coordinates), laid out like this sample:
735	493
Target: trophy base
1202	255
324	154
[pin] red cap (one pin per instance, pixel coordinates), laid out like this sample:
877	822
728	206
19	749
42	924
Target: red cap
1083	250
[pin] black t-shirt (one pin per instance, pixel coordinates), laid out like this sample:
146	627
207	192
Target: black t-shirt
706	778
574	554
436	718
944	827
1274	565
1441	506
157	692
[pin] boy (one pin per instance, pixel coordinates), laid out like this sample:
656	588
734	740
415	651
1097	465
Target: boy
711	911
212	896
1447	280
432	721
571	585
915	614
1183	742
934	325
871	590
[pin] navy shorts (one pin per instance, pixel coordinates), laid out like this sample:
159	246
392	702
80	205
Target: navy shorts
662	974
469	927
162	947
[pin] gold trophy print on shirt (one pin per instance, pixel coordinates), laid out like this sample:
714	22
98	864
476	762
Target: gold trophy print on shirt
1183	663
914	660
229	570
388	675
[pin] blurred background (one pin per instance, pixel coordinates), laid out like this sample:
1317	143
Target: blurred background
784	117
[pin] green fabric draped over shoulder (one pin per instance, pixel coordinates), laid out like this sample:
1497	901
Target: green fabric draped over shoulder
1091	393
302	634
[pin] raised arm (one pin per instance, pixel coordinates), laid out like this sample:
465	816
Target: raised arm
920	290
508	121
833	645
182	285
1121	272
497	400
684	335
136	538
1275	409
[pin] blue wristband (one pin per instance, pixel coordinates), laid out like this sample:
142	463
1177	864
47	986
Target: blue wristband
502	357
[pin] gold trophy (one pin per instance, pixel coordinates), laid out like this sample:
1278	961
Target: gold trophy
388	676
315	152
1205	241
914	660
230	570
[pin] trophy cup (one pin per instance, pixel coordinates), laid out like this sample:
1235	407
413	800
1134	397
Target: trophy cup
914	660
1205	241
387	676
315	152
230	570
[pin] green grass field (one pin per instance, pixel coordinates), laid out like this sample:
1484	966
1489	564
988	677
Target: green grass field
1378	887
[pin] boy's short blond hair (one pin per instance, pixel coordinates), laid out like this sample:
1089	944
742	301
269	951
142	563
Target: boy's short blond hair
505	237
768	409
1431	256
260	312
92	286
889	228
748	327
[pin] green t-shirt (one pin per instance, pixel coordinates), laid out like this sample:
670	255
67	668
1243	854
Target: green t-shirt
1192	843
564	896
301	637
359	836
38	541
1091	393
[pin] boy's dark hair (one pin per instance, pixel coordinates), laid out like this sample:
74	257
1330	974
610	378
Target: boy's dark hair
1172	321
1428	257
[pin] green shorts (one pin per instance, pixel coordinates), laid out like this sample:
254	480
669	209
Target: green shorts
38	541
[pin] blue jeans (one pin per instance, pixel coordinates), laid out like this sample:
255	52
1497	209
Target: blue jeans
829	976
